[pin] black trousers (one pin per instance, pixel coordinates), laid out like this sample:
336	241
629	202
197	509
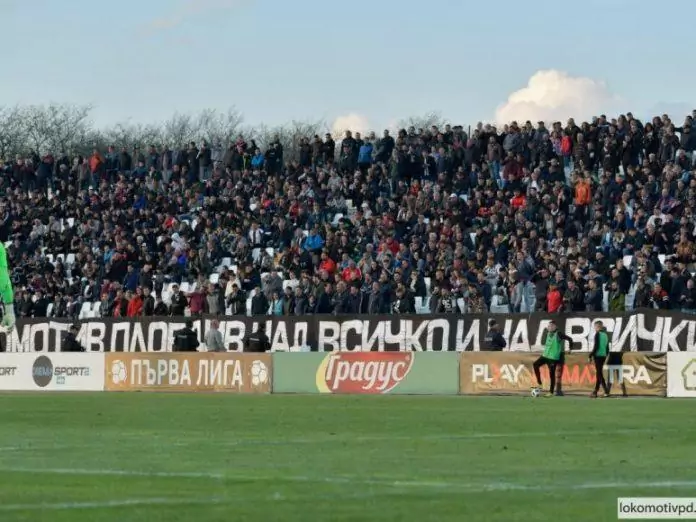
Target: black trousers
554	366
600	381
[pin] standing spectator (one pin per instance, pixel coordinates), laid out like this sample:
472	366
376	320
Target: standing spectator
148	309
179	302
161	308
215	301
135	305
554	300
40	307
593	297
197	301
259	302
300	302
213	338
205	161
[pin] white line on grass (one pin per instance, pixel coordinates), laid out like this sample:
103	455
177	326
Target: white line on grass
12	449
116	472
109	504
463	487
494	486
329	439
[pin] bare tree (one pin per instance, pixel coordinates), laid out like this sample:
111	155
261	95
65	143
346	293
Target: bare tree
67	124
289	135
130	135
12	132
425	122
180	129
54	127
219	127
67	128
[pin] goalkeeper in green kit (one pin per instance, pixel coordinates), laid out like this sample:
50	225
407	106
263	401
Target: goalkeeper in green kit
6	292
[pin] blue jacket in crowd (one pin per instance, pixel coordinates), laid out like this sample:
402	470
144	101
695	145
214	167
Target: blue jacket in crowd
257	162
313	242
365	154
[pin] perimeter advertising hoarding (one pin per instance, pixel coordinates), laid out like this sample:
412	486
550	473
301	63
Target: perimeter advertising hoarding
188	372
681	374
511	373
366	373
51	372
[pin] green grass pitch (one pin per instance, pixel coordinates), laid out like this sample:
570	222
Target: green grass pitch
204	458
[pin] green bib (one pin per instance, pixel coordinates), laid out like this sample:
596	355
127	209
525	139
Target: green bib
552	349
603	348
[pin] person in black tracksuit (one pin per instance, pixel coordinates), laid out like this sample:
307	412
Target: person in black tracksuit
70	342
494	341
186	339
257	342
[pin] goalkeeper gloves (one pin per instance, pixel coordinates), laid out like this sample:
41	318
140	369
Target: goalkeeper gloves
8	318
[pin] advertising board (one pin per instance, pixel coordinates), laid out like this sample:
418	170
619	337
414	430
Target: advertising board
188	372
52	372
681	374
366	373
627	373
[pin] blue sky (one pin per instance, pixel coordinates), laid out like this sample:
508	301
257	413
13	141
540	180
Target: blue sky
379	61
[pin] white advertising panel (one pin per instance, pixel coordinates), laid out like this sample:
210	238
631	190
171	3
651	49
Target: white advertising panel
54	371
681	374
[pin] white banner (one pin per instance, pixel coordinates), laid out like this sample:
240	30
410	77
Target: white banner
51	372
681	374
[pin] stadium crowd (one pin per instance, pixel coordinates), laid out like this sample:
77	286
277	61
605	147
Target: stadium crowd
523	218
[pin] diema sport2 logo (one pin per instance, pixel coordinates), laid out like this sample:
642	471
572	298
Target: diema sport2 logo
363	372
44	372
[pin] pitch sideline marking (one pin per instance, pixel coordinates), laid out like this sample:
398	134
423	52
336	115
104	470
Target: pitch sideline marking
118	472
109	504
462	487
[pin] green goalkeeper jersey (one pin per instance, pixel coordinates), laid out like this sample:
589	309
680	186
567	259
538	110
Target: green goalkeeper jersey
6	292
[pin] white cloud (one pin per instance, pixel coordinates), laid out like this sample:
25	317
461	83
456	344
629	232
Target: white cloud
190	8
352	122
552	95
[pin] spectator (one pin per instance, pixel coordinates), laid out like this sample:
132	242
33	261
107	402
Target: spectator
119	307
149	304
197	301
554	299
214	341
259	302
299	304
460	220
135	304
179	302
161	309
215	301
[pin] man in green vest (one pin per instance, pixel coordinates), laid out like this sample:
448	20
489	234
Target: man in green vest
553	357
599	355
